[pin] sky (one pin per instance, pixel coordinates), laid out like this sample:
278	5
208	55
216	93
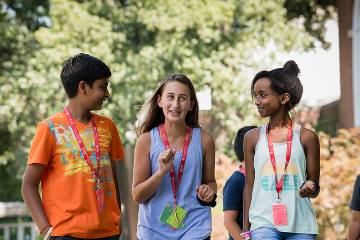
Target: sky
320	70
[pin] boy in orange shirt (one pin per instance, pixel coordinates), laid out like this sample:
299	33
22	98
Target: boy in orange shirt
73	155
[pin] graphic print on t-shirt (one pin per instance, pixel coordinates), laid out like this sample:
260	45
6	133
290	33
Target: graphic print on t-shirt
291	178
71	157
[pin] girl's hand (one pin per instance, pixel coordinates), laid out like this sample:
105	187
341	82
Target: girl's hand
205	193
307	189
166	159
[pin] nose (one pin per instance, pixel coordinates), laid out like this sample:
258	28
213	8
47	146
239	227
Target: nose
175	103
257	101
107	93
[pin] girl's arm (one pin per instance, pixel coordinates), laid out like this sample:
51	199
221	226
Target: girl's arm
250	140
230	222
208	188
31	196
144	185
311	145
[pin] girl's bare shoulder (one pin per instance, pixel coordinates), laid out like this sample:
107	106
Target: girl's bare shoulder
308	135
252	136
206	138
144	139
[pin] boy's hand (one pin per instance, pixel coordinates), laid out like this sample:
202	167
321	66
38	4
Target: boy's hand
205	193
307	189
166	159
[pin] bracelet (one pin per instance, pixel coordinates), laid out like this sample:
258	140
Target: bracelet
211	204
246	235
47	236
317	188
43	228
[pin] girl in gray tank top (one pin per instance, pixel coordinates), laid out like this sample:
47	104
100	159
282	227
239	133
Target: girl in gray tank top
282	162
174	166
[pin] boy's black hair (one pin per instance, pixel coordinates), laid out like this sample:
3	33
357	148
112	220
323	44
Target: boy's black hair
239	142
82	67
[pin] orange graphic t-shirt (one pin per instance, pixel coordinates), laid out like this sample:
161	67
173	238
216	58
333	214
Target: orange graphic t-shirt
68	184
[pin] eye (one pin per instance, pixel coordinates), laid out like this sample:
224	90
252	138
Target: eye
170	96
183	98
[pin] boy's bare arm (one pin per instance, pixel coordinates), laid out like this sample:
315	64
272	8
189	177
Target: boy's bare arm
230	217
354	226
31	196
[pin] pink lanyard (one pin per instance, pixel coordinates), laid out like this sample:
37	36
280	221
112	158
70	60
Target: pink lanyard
279	184
175	185
82	146
242	170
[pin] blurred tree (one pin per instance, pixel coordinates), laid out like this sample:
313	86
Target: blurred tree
18	20
314	14
218	44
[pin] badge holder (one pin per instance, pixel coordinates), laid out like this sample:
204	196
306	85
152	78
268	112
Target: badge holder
173	217
99	195
279	213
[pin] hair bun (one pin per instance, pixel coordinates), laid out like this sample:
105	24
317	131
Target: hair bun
291	67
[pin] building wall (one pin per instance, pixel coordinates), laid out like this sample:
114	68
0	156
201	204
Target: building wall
345	12
356	62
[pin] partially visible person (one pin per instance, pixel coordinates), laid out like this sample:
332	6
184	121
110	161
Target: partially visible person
354	224
233	190
73	156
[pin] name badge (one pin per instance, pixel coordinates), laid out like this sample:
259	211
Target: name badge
173	217
279	214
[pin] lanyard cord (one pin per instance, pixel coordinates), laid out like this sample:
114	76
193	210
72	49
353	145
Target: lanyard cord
279	184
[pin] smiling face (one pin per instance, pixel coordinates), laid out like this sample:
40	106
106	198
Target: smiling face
175	101
267	101
98	93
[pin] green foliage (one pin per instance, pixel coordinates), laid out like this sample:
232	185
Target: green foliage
31	13
314	14
218	44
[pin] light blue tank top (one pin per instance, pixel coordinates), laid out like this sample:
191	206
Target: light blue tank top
198	220
301	216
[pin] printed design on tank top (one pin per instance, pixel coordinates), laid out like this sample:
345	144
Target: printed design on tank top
70	155
291	178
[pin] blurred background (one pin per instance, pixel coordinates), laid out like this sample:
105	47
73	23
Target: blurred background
219	45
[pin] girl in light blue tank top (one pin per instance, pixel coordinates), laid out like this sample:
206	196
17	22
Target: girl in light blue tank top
171	140
282	162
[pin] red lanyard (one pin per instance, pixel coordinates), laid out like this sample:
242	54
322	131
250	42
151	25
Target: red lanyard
242	170
175	185
82	146
279	184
